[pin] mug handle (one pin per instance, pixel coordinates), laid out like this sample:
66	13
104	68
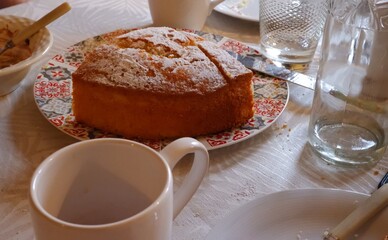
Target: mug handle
173	153
213	4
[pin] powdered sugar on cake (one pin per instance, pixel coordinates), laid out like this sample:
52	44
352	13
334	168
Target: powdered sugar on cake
161	59
137	69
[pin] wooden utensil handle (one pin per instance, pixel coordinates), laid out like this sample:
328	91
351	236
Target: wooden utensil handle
41	23
364	212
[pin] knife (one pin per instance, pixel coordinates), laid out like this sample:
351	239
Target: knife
383	181
260	64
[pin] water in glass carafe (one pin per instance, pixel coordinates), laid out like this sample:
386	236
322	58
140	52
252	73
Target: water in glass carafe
349	119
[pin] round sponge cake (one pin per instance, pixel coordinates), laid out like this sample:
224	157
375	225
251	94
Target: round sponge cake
159	82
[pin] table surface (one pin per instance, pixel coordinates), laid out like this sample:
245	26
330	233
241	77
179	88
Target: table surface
275	160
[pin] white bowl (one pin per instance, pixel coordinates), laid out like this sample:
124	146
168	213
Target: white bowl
40	43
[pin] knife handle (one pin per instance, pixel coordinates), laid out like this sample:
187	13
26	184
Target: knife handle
383	181
41	23
376	202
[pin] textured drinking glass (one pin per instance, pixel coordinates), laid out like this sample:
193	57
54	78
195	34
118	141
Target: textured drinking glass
349	119
290	29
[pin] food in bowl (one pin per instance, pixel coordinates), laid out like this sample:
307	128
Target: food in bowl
157	83
15	54
39	44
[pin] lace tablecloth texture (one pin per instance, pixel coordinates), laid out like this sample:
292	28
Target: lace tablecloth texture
276	159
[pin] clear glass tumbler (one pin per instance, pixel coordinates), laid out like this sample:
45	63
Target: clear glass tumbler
290	29
349	118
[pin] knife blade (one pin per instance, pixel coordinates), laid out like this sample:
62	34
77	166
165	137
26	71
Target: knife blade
260	64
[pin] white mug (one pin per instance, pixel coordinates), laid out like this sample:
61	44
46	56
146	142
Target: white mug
112	189
188	14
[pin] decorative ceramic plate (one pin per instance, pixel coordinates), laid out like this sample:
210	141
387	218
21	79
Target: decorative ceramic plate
297	214
242	9
53	96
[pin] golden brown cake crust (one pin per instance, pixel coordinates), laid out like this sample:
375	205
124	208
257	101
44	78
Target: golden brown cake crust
161	83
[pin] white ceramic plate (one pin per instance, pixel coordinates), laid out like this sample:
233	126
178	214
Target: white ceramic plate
302	214
242	9
53	96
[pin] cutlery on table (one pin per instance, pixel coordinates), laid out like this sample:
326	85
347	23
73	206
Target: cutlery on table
371	206
383	181
261	64
36	26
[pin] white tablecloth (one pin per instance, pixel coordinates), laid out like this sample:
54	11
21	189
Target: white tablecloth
275	160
